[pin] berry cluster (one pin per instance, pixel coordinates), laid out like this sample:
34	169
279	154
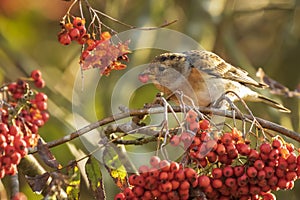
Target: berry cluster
74	31
23	111
162	180
98	53
231	168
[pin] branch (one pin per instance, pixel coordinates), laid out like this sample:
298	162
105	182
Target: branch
158	110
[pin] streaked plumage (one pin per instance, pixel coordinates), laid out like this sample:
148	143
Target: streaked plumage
203	76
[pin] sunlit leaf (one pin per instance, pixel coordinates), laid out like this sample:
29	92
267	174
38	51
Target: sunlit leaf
73	188
92	168
115	166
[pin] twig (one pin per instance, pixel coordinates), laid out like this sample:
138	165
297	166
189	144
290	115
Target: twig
158	110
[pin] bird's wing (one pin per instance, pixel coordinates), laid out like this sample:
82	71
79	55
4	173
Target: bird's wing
213	65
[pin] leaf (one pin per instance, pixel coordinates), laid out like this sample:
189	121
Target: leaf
73	188
114	163
92	168
39	182
46	155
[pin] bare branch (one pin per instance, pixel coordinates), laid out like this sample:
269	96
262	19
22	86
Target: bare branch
158	110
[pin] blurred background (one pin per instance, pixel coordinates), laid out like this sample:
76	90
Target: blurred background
250	34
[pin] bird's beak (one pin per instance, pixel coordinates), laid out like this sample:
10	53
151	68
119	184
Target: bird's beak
145	76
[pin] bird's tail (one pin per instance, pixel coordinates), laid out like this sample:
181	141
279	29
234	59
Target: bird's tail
273	103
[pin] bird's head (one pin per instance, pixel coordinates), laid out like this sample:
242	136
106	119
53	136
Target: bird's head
166	69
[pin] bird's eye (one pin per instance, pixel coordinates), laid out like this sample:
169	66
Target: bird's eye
172	57
161	69
163	58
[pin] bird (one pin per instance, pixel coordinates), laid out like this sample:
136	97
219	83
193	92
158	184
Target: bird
204	77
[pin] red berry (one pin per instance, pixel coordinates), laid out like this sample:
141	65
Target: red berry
203	181
282	183
194	126
269	172
253	155
36	74
251	172
9	150
212	157
290	147
163	176
292	158
243	190
280	173
40	83
220	149
242	180
217	173
226	138
154	172
147	195
291	176
228	171
174	166
276	144
180	175
6	161
41	97
45	117
120	196
154	161
274	154
41	105
204	124
173	195
282	163
268	196
175	140
3	128
191	116
238	171
138	191
74	34
14	130
165	187
265	148
164	165
20	145
230	182
259	164
175	184
16	158
64	39
78	22
217	183
186	138
211	145
254	190
185	185
261	175
243	149
225	159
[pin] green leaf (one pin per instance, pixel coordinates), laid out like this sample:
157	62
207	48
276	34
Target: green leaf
115	163
94	175
73	188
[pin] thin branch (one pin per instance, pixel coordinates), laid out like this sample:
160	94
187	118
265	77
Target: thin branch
158	110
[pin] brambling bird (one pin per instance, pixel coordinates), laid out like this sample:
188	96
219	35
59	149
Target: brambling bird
204	77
